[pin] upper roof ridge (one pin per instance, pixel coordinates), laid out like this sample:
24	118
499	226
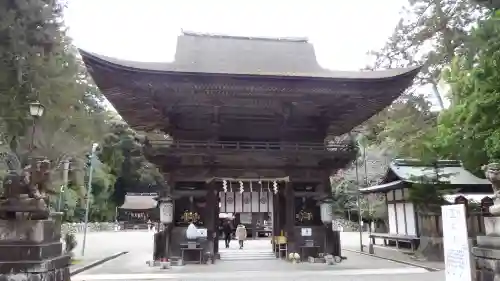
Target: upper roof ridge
262	38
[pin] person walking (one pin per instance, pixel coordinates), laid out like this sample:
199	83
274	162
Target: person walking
241	234
228	231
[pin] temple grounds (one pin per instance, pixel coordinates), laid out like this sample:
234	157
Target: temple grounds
251	263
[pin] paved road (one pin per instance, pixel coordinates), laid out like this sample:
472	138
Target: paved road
100	245
132	266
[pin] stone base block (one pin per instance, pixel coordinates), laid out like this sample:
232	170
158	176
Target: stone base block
61	274
29	231
329	259
488	241
30	252
487	263
23	207
52	264
316	260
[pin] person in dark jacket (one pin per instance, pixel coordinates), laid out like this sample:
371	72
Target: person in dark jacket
228	231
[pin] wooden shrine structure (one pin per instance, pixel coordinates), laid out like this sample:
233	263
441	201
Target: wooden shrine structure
138	209
248	111
405	221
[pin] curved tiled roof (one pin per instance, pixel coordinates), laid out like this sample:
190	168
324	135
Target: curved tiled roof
244	72
221	54
139	201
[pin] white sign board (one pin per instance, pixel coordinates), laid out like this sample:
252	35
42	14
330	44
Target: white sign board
456	244
306	231
202	232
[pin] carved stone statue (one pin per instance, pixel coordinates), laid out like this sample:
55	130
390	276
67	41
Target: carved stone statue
492	173
25	191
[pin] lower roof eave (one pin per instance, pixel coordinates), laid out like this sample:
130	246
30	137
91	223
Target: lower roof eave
382	187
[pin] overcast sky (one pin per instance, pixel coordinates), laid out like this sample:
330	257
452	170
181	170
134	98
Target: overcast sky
146	30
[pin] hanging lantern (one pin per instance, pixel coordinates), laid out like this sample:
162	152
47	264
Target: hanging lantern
36	109
275	187
166	209
326	207
241	187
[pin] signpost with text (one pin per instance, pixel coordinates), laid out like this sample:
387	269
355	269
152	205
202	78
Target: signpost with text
456	243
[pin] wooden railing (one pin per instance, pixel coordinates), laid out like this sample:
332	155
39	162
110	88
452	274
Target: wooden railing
253	146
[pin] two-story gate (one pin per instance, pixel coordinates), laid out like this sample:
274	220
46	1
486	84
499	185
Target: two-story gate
246	109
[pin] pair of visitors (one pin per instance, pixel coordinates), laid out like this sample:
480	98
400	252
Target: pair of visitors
240	233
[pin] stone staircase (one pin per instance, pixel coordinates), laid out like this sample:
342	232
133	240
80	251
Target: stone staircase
246	254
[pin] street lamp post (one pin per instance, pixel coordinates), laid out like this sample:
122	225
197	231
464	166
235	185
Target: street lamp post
65	183
87	197
358	200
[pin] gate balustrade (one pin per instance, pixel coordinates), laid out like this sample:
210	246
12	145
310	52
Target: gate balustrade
253	146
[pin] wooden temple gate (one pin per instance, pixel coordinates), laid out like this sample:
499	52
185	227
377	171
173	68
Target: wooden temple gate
250	110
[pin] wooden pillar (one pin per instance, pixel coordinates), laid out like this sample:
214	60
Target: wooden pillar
211	216
290	216
254	225
276	220
216	221
276	215
169	186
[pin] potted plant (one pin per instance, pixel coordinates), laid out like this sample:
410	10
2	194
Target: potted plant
294	257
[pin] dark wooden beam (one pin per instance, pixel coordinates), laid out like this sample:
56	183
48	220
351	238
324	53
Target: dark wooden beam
290	217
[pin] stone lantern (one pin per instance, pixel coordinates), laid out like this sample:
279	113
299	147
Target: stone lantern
166	206
326	207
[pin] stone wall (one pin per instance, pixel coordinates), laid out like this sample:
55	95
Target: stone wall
92	227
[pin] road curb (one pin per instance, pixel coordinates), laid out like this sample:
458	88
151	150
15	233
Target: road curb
96	263
432	269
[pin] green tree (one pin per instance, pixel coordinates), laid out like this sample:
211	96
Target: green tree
38	63
472	121
402	127
430	33
122	151
371	166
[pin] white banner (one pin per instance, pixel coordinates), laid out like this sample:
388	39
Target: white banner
248	202
229	202
238	202
255	202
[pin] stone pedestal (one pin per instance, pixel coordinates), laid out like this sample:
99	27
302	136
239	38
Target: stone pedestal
31	250
487	258
487	252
